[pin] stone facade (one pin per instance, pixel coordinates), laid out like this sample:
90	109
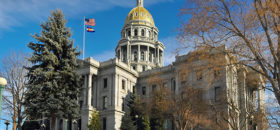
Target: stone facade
139	55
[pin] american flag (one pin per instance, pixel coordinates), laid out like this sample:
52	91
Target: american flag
90	22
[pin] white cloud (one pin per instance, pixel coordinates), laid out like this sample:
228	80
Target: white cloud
172	48
17	12
104	56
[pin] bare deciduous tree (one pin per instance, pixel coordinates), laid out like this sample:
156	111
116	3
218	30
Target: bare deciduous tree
249	29
14	72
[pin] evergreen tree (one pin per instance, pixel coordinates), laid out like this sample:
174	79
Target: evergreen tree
127	123
138	113
94	123
146	123
53	86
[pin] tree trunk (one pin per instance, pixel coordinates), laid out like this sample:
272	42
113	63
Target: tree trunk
14	123
53	121
19	121
14	119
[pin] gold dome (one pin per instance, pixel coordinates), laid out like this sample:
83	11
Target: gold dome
3	81
139	15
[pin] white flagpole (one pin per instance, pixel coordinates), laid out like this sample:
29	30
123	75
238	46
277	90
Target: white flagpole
84	38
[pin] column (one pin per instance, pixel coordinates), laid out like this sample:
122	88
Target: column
120	53
127	52
162	56
158	55
262	122
89	90
139	53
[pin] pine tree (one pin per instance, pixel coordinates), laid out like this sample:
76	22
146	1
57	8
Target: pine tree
127	123
94	123
53	86
137	113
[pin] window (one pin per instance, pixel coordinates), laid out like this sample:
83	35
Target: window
129	33
105	82
104	123
216	73
154	87
143	68
198	76
183	77
150	57
133	90
134	67
142	56
136	14
123	103
142	32
142	14
173	86
105	101
135	56
123	84
217	94
144	90
135	32
165	85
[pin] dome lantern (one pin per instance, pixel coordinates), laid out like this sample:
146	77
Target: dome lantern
139	3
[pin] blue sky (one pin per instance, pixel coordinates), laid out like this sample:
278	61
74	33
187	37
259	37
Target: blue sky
16	24
21	18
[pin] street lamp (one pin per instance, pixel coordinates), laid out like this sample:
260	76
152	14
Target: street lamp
3	83
7	124
43	126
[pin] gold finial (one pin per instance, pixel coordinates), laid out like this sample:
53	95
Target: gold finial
140	3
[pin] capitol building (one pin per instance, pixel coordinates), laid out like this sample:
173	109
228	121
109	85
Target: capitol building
139	55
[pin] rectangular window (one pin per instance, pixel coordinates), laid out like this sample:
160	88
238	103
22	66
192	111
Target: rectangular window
216	73
105	82
123	84
198	76
104	123
173	87
143	90
165	85
154	87
143	68
105	102
217	94
123	103
183	77
133	90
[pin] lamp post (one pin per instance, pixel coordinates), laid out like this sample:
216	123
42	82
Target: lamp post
7	124
3	83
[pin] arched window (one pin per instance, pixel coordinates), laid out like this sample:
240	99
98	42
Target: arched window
135	32
129	33
135	55
142	32
142	55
